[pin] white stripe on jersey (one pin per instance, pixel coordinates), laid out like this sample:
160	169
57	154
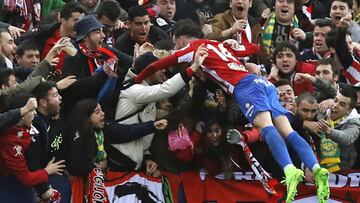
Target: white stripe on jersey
223	83
353	72
186	58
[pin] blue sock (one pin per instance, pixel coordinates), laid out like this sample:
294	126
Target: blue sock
276	145
302	148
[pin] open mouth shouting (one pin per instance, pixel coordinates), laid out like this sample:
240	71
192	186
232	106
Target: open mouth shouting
285	67
318	45
284	11
240	7
337	19
142	35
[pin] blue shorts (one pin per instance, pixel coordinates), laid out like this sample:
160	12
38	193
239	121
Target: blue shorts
255	94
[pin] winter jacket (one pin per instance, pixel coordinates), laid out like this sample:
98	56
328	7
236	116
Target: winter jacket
144	96
36	76
225	20
78	65
48	143
125	43
83	88
324	90
78	162
346	133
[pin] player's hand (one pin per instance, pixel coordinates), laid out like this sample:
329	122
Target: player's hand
200	56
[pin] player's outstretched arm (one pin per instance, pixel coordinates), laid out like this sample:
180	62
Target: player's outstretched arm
155	66
242	50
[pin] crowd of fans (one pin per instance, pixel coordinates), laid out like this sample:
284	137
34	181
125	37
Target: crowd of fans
66	106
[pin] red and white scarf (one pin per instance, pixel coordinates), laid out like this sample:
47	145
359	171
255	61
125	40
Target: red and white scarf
96	57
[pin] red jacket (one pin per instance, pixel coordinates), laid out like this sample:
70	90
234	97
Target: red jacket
14	143
49	43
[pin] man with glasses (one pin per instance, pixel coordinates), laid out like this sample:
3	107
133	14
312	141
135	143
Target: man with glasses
108	13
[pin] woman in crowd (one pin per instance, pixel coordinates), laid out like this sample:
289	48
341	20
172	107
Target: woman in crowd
89	136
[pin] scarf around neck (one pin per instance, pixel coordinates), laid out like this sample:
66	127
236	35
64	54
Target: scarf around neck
330	151
95	57
269	30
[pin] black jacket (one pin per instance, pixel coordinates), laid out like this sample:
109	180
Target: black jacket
83	88
48	143
126	44
78	64
163	23
41	34
79	163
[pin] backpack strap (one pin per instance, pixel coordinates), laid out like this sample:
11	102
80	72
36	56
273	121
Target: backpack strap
131	115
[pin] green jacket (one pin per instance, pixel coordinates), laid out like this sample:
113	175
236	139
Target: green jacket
46	7
40	72
50	5
324	90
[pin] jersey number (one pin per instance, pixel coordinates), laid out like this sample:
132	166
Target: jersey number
221	51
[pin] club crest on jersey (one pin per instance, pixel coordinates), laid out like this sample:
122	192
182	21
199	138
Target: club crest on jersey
17	149
236	66
20	134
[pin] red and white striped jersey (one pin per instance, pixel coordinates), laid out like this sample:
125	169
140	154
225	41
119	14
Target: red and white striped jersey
222	64
352	73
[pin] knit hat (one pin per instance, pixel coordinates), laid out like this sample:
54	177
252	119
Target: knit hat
143	60
85	25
